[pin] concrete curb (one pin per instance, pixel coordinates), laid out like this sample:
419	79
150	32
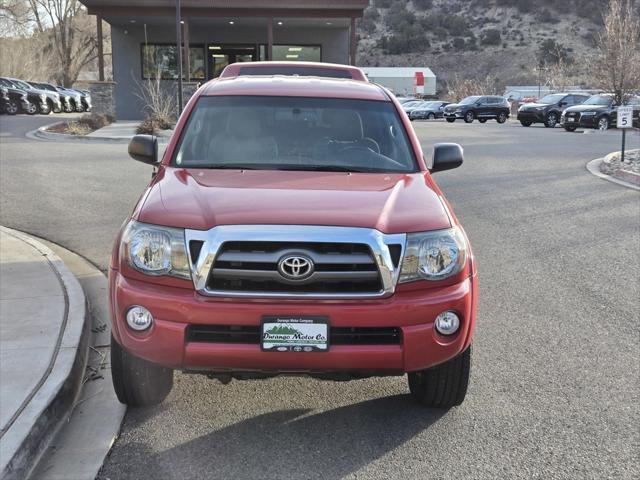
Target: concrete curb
33	429
41	134
594	168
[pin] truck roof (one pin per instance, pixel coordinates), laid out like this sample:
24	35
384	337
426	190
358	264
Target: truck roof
306	69
294	86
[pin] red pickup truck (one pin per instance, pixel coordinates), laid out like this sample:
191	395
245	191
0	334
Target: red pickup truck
293	227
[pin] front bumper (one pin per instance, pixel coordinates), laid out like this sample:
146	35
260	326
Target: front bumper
454	114
174	309
531	116
579	120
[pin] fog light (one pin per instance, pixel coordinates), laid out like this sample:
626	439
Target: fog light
139	318
447	323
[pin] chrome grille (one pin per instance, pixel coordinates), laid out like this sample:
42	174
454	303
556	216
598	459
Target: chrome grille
242	261
253	267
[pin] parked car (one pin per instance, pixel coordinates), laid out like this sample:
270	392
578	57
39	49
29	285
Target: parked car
403	100
408	106
428	111
76	98
548	109
205	279
65	99
21	100
598	111
482	107
86	100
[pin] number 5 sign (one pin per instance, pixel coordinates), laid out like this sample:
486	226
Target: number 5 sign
625	116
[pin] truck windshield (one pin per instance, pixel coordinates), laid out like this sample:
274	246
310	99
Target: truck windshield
295	133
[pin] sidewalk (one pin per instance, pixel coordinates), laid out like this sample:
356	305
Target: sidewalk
42	348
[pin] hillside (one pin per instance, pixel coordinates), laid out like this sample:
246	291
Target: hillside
502	39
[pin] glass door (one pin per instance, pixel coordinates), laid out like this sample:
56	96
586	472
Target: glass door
219	56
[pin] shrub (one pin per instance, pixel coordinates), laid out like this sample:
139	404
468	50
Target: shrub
490	36
88	123
458	43
151	125
422	4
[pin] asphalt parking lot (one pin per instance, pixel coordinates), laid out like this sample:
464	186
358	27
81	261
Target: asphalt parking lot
555	383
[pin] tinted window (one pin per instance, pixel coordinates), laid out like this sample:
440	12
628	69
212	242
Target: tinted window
599	100
295	133
470	100
551	99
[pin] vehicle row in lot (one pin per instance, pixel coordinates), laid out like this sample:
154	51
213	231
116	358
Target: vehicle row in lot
37	97
548	109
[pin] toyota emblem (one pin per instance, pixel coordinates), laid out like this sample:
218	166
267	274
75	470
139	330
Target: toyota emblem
295	267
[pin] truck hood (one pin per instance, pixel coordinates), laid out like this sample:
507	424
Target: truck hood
202	199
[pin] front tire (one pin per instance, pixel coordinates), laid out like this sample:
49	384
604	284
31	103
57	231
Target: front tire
44	109
603	124
12	108
32	109
79	108
442	386
451	120
502	117
469	117
137	382
570	129
525	123
551	120
431	116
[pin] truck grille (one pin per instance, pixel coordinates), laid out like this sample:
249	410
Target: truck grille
252	267
251	335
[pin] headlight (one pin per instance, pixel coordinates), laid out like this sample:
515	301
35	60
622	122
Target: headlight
156	250
433	255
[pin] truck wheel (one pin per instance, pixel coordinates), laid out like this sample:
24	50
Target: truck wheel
502	117
525	123
137	382
451	120
442	386
469	116
551	120
570	129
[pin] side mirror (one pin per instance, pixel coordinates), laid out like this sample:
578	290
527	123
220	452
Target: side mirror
445	157
144	148
562	104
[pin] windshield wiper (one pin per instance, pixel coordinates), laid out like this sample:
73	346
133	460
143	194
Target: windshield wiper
332	168
232	166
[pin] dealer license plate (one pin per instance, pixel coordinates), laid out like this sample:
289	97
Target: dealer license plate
295	334
571	119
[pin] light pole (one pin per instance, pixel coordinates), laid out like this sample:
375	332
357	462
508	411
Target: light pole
179	41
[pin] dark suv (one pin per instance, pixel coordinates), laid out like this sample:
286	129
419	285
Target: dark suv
599	111
548	109
482	107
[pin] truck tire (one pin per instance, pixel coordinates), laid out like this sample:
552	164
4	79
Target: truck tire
137	382
469	117
442	386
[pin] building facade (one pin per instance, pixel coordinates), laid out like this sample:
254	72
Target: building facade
216	33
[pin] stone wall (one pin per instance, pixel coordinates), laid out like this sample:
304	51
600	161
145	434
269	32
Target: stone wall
103	97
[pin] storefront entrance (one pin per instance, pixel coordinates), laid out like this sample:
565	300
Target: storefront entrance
219	56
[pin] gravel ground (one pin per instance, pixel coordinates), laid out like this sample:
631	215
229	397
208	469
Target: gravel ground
555	389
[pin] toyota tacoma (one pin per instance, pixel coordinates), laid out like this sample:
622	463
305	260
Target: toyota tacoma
292	226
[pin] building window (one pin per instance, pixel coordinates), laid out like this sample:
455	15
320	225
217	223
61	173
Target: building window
161	61
293	53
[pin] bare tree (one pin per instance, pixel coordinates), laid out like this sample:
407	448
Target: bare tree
71	33
15	16
459	88
618	65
